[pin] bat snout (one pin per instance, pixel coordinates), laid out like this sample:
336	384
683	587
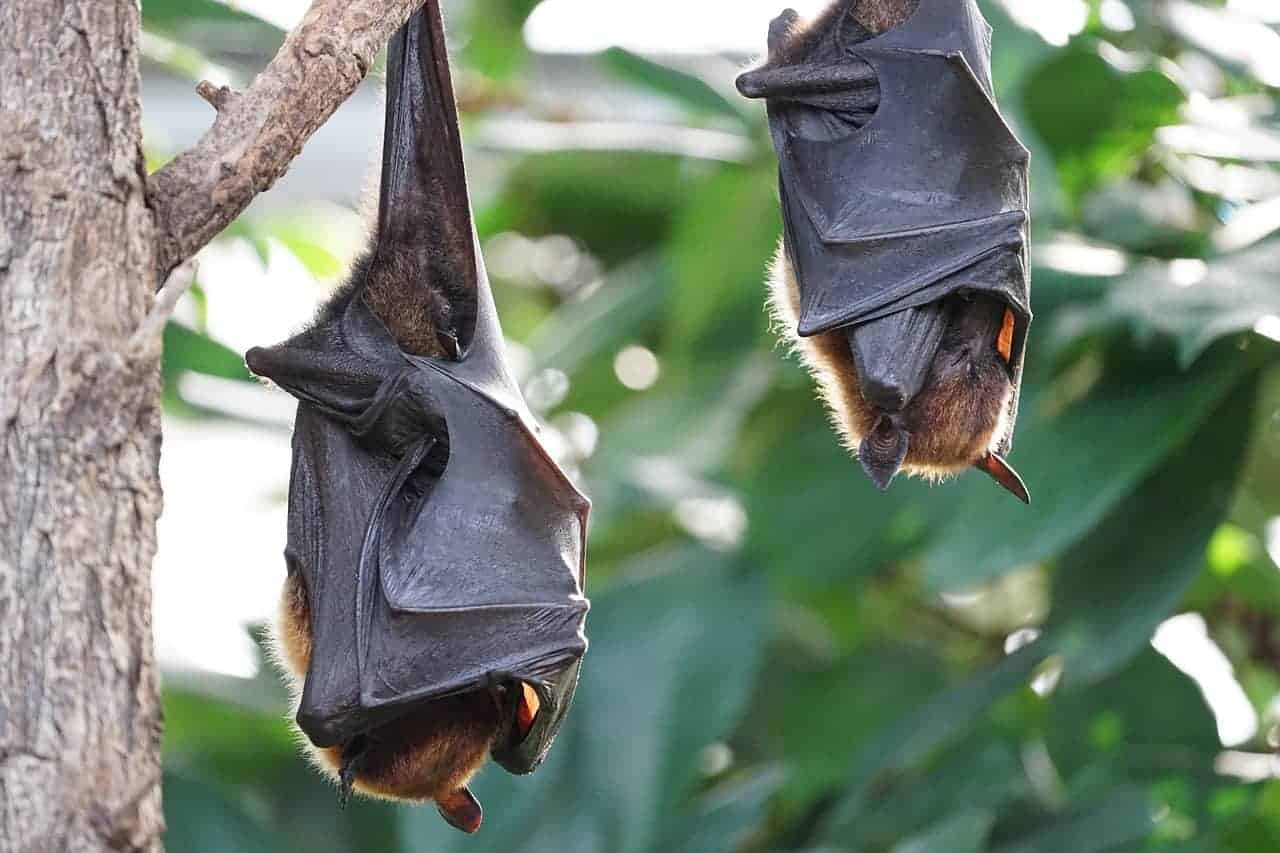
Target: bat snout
319	729
885	395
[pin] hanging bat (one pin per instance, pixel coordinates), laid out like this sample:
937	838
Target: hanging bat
433	613
903	274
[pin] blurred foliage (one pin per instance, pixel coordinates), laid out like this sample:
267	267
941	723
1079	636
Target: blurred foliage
783	659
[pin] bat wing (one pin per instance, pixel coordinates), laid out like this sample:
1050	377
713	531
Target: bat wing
430	572
442	546
424	212
928	198
900	182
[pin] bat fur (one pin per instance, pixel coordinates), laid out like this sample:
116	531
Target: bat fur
429	754
956	420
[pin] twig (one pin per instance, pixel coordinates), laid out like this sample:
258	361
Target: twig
146	340
217	96
259	132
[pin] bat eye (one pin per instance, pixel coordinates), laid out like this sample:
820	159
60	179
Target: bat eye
1004	343
527	712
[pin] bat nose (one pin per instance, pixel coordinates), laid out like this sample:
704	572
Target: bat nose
885	394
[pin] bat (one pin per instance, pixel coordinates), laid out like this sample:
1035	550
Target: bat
902	276
433	613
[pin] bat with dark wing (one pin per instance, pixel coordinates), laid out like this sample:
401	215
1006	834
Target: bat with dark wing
903	272
434	611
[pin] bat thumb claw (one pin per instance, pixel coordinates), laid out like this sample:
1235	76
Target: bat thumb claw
461	810
995	467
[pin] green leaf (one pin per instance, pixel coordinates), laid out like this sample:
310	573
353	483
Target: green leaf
688	90
201	819
872	689
206	26
1080	461
168	13
982	774
1115	586
717	312
1110	728
725	819
186	349
323	239
1097	115
593	329
496	45
669	672
617	204
1231	296
964	832
1124	816
941	720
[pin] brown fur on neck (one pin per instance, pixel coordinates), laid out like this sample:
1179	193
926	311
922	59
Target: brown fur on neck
873	16
953	423
413	310
427	754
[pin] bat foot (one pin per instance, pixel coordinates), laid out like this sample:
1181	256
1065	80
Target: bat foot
352	760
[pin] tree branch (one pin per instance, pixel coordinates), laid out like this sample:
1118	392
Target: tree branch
258	133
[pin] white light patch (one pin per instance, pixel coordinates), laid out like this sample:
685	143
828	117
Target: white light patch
1267	11
208	586
657	26
1116	16
1250	767
1188	272
1273	540
1185	641
249	304
719	522
1079	258
1020	640
1269	327
580	431
1056	22
637	368
285	14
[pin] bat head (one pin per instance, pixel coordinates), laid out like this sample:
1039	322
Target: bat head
429	752
934	382
925	391
535	713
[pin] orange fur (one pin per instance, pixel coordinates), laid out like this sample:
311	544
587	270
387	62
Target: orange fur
428	754
955	422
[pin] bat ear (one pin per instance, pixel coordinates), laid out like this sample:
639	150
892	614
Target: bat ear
995	467
461	810
883	451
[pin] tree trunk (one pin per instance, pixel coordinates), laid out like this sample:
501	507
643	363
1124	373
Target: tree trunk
79	436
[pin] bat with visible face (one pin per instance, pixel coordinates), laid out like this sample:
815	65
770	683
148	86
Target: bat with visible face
434	611
903	272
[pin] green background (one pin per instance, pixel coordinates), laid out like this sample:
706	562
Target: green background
782	658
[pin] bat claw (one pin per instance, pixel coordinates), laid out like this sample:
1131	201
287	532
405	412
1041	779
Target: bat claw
461	810
352	759
995	467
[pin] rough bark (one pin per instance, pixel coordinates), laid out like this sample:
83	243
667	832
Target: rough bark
79	436
259	132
